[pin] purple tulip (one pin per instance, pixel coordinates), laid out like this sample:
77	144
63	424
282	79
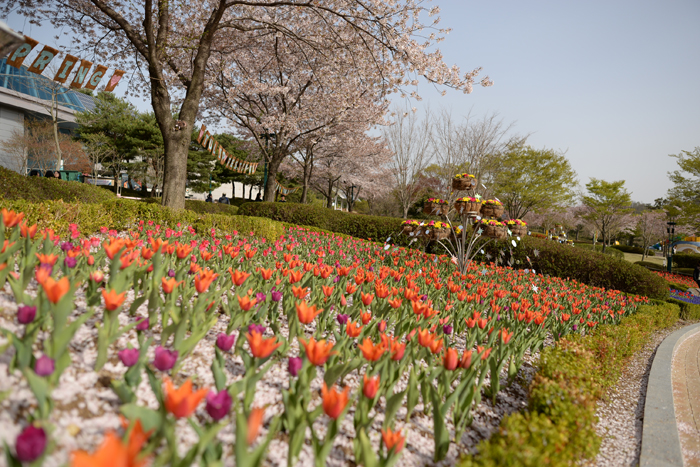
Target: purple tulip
342	319
260	297
423	298
336	279
30	444
218	404
65	246
294	365
225	342
575	327
447	329
142	324
44	366
129	357
171	273
70	262
26	314
276	296
165	359
257	328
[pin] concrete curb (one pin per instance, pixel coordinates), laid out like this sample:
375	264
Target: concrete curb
661	445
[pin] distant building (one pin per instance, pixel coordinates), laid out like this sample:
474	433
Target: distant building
25	95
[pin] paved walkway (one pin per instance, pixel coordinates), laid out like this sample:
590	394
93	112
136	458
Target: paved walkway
686	397
671	433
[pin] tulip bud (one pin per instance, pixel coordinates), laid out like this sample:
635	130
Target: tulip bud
294	365
44	366
342	319
26	314
143	324
447	329
165	359
70	262
30	444
218	404
97	276
129	357
451	359
224	342
276	296
171	273
370	386
382	326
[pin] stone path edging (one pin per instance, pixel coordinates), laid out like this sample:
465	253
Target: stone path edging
661	445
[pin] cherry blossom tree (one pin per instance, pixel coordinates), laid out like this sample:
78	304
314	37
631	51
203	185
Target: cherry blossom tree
650	229
167	47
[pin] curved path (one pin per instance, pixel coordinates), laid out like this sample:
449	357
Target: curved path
671	434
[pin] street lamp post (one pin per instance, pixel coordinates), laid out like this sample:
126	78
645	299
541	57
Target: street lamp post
671	230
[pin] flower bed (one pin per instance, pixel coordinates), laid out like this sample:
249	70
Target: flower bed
394	341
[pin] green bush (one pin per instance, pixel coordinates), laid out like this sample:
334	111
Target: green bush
15	186
122	214
599	249
686	260
356	225
559	426
689	311
584	266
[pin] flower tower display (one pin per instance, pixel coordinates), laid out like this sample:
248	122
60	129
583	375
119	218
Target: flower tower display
436	207
517	227
463	182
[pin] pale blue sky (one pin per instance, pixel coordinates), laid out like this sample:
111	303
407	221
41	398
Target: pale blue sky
616	84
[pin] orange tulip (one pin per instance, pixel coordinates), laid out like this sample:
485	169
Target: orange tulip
317	352
466	360
254	423
366	298
394	347
111	453
266	273
370	351
450	359
43	259
259	347
370	386
55	289
182	402
169	284
307	313
246	303
183	251
327	290
395	303
11	218
334	402
436	346
484	352
393	440
505	335
299	292
295	276
238	277
365	317
353	329
27	231
113	300
425	338
113	247
203	280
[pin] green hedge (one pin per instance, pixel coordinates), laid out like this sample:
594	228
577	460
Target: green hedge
201	207
585	266
599	249
121	214
558	428
356	225
15	186
686	260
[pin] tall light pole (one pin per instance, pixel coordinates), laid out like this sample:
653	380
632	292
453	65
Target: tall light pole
671	230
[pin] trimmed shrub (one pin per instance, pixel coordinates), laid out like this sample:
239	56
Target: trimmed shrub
122	214
559	426
599	249
686	260
356	225
585	266
15	186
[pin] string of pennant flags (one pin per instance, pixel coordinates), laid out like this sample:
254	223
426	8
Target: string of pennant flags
69	64
233	163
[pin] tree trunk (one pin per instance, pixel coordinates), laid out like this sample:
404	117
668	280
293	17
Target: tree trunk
272	169
175	171
329	203
54	106
405	212
233	190
308	169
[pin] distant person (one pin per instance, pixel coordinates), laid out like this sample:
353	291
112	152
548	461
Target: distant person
34	173
283	199
56	174
48	174
224	199
209	199
696	275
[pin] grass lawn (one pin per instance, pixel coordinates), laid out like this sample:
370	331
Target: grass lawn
634	257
